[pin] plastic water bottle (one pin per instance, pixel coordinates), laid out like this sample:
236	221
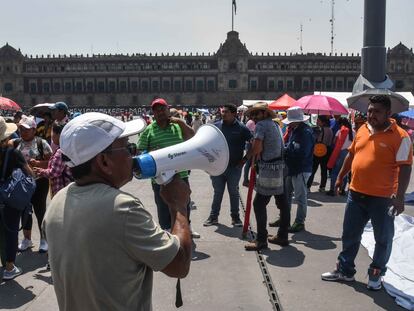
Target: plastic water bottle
392	212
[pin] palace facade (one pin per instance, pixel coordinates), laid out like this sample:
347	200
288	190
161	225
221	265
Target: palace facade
197	80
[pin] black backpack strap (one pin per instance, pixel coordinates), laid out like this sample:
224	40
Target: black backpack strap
39	143
5	164
16	142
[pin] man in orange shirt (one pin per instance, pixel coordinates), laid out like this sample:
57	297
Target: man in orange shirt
380	158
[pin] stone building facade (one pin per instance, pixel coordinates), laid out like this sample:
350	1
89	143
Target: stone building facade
207	80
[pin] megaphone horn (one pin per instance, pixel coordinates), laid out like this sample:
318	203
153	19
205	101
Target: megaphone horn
207	151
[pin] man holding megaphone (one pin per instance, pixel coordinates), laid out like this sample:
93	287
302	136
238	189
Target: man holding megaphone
103	244
165	131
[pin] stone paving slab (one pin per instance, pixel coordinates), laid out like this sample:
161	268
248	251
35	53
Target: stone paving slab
225	277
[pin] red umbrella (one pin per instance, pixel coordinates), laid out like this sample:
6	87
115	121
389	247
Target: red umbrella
320	104
8	104
282	103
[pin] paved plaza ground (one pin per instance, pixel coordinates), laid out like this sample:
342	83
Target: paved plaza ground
225	277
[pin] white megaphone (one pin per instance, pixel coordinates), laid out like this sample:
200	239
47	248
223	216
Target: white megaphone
207	151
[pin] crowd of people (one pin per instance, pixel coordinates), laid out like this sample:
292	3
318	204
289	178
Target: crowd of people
367	158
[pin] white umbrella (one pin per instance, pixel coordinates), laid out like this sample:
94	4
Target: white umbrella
360	101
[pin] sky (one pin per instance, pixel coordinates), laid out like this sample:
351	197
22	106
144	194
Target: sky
166	26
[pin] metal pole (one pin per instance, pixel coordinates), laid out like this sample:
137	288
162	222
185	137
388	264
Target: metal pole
232	17
373	52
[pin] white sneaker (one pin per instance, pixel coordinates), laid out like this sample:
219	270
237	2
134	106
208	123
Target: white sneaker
43	247
25	244
194	234
10	275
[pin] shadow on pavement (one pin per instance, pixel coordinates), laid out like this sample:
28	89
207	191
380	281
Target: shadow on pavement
380	298
14	296
30	261
315	241
231	232
322	197
44	278
288	257
196	255
313	203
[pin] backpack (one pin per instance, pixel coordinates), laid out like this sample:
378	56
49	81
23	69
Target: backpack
320	149
16	191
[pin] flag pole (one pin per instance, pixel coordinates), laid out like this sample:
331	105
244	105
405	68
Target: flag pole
232	16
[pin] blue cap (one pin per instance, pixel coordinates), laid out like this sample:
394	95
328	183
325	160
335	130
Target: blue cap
59	106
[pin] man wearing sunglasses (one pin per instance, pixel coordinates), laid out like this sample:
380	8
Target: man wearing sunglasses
103	243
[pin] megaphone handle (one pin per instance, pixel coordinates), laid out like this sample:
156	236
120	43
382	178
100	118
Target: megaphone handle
165	177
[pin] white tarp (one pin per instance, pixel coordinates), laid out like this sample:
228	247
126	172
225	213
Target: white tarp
399	279
342	96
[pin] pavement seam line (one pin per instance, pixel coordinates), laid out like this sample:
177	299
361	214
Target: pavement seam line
267	279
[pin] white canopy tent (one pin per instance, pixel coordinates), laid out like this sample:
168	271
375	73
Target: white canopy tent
342	96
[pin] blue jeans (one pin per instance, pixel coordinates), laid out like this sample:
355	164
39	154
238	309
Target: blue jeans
297	184
359	209
163	211
231	177
337	168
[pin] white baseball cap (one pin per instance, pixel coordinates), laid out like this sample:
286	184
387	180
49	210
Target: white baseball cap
27	122
89	134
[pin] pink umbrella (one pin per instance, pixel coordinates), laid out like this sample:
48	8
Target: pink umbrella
321	104
8	104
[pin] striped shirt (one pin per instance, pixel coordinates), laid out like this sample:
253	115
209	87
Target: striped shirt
154	138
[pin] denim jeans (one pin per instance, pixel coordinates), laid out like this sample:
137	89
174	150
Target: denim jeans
297	184
260	203
163	211
231	177
359	209
335	170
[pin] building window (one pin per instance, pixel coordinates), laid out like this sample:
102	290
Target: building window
79	86
271	85
56	87
232	66
200	85
279	85
111	86
232	84
177	86
166	86
68	87
122	86
46	87
145	86
189	85
101	86
399	84
210	85
89	86
305	84
253	85
8	87
328	85
134	86
350	85
290	85
339	85
33	87
318	84
155	86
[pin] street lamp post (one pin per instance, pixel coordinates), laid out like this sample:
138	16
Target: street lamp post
373	56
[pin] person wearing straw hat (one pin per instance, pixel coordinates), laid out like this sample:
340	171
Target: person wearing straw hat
267	149
10	217
299	161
